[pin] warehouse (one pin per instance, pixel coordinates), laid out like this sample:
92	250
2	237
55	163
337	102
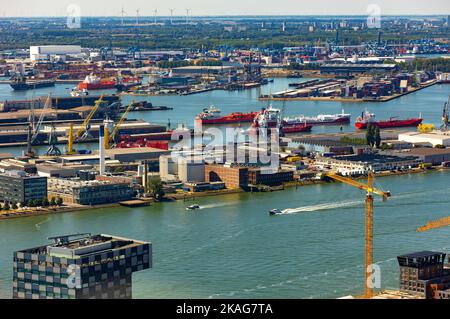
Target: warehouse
434	138
434	156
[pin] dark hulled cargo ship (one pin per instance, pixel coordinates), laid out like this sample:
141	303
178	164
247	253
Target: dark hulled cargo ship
23	84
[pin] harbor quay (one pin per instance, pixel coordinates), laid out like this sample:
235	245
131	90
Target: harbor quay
213	157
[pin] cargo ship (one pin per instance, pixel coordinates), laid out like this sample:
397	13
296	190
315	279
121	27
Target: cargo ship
22	83
128	83
212	115
271	118
369	118
93	82
297	128
321	119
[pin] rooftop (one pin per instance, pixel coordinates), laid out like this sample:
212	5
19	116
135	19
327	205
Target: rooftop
83	245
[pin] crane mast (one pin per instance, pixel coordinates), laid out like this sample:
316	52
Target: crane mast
368	256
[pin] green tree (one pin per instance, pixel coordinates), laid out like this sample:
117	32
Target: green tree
377	137
14	206
31	203
45	202
53	201
59	201
370	135
155	188
6	206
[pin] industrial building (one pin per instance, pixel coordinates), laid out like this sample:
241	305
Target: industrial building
182	168
204	70
127	155
361	164
435	156
349	69
48	52
75	191
81	266
20	187
434	138
61	170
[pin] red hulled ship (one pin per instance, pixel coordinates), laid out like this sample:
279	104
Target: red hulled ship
93	82
369	118
212	115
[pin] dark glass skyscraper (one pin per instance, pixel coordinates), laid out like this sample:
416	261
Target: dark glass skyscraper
80	266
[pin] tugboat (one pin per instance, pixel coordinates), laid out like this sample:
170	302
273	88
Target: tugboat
369	118
193	207
76	92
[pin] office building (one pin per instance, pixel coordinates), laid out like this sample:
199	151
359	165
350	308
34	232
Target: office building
93	192
80	266
19	187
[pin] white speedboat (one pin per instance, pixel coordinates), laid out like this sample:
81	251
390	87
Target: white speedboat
275	211
193	207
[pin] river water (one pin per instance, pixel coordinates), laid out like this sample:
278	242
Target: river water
232	248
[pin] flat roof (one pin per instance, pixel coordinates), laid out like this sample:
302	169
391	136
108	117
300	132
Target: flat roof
136	150
429	151
86	244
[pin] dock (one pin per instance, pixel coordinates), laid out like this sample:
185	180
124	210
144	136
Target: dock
135	203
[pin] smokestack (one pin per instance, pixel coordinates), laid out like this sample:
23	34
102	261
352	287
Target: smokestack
101	148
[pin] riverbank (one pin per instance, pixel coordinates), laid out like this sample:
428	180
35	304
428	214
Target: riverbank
191	196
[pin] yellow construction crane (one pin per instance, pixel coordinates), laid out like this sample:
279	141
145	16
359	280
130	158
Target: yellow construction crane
110	137
368	260
443	222
72	137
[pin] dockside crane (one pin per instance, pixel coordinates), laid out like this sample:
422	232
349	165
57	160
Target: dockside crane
109	138
83	128
368	259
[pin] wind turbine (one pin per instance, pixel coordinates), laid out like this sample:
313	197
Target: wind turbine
155	12
187	15
137	17
122	13
171	15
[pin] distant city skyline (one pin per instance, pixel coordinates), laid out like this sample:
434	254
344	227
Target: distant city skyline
22	8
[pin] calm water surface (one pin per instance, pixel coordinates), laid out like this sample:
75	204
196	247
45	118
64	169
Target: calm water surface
232	248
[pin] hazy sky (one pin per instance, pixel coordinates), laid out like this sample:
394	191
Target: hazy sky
221	7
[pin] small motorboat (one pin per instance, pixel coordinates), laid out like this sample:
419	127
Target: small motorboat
193	207
275	211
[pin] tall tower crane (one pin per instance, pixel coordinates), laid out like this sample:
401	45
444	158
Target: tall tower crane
439	223
368	260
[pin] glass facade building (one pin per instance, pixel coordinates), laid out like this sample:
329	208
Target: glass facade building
90	267
19	187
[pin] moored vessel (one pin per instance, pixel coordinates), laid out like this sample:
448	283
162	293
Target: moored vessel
93	82
213	115
321	119
367	118
22	83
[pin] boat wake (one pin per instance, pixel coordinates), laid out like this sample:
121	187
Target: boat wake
216	205
318	207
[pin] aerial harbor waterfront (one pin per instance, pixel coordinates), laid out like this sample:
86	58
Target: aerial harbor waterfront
204	156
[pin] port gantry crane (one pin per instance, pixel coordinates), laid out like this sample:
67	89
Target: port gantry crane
368	259
84	126
109	138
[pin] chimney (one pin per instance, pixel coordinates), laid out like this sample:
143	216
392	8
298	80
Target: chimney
101	148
